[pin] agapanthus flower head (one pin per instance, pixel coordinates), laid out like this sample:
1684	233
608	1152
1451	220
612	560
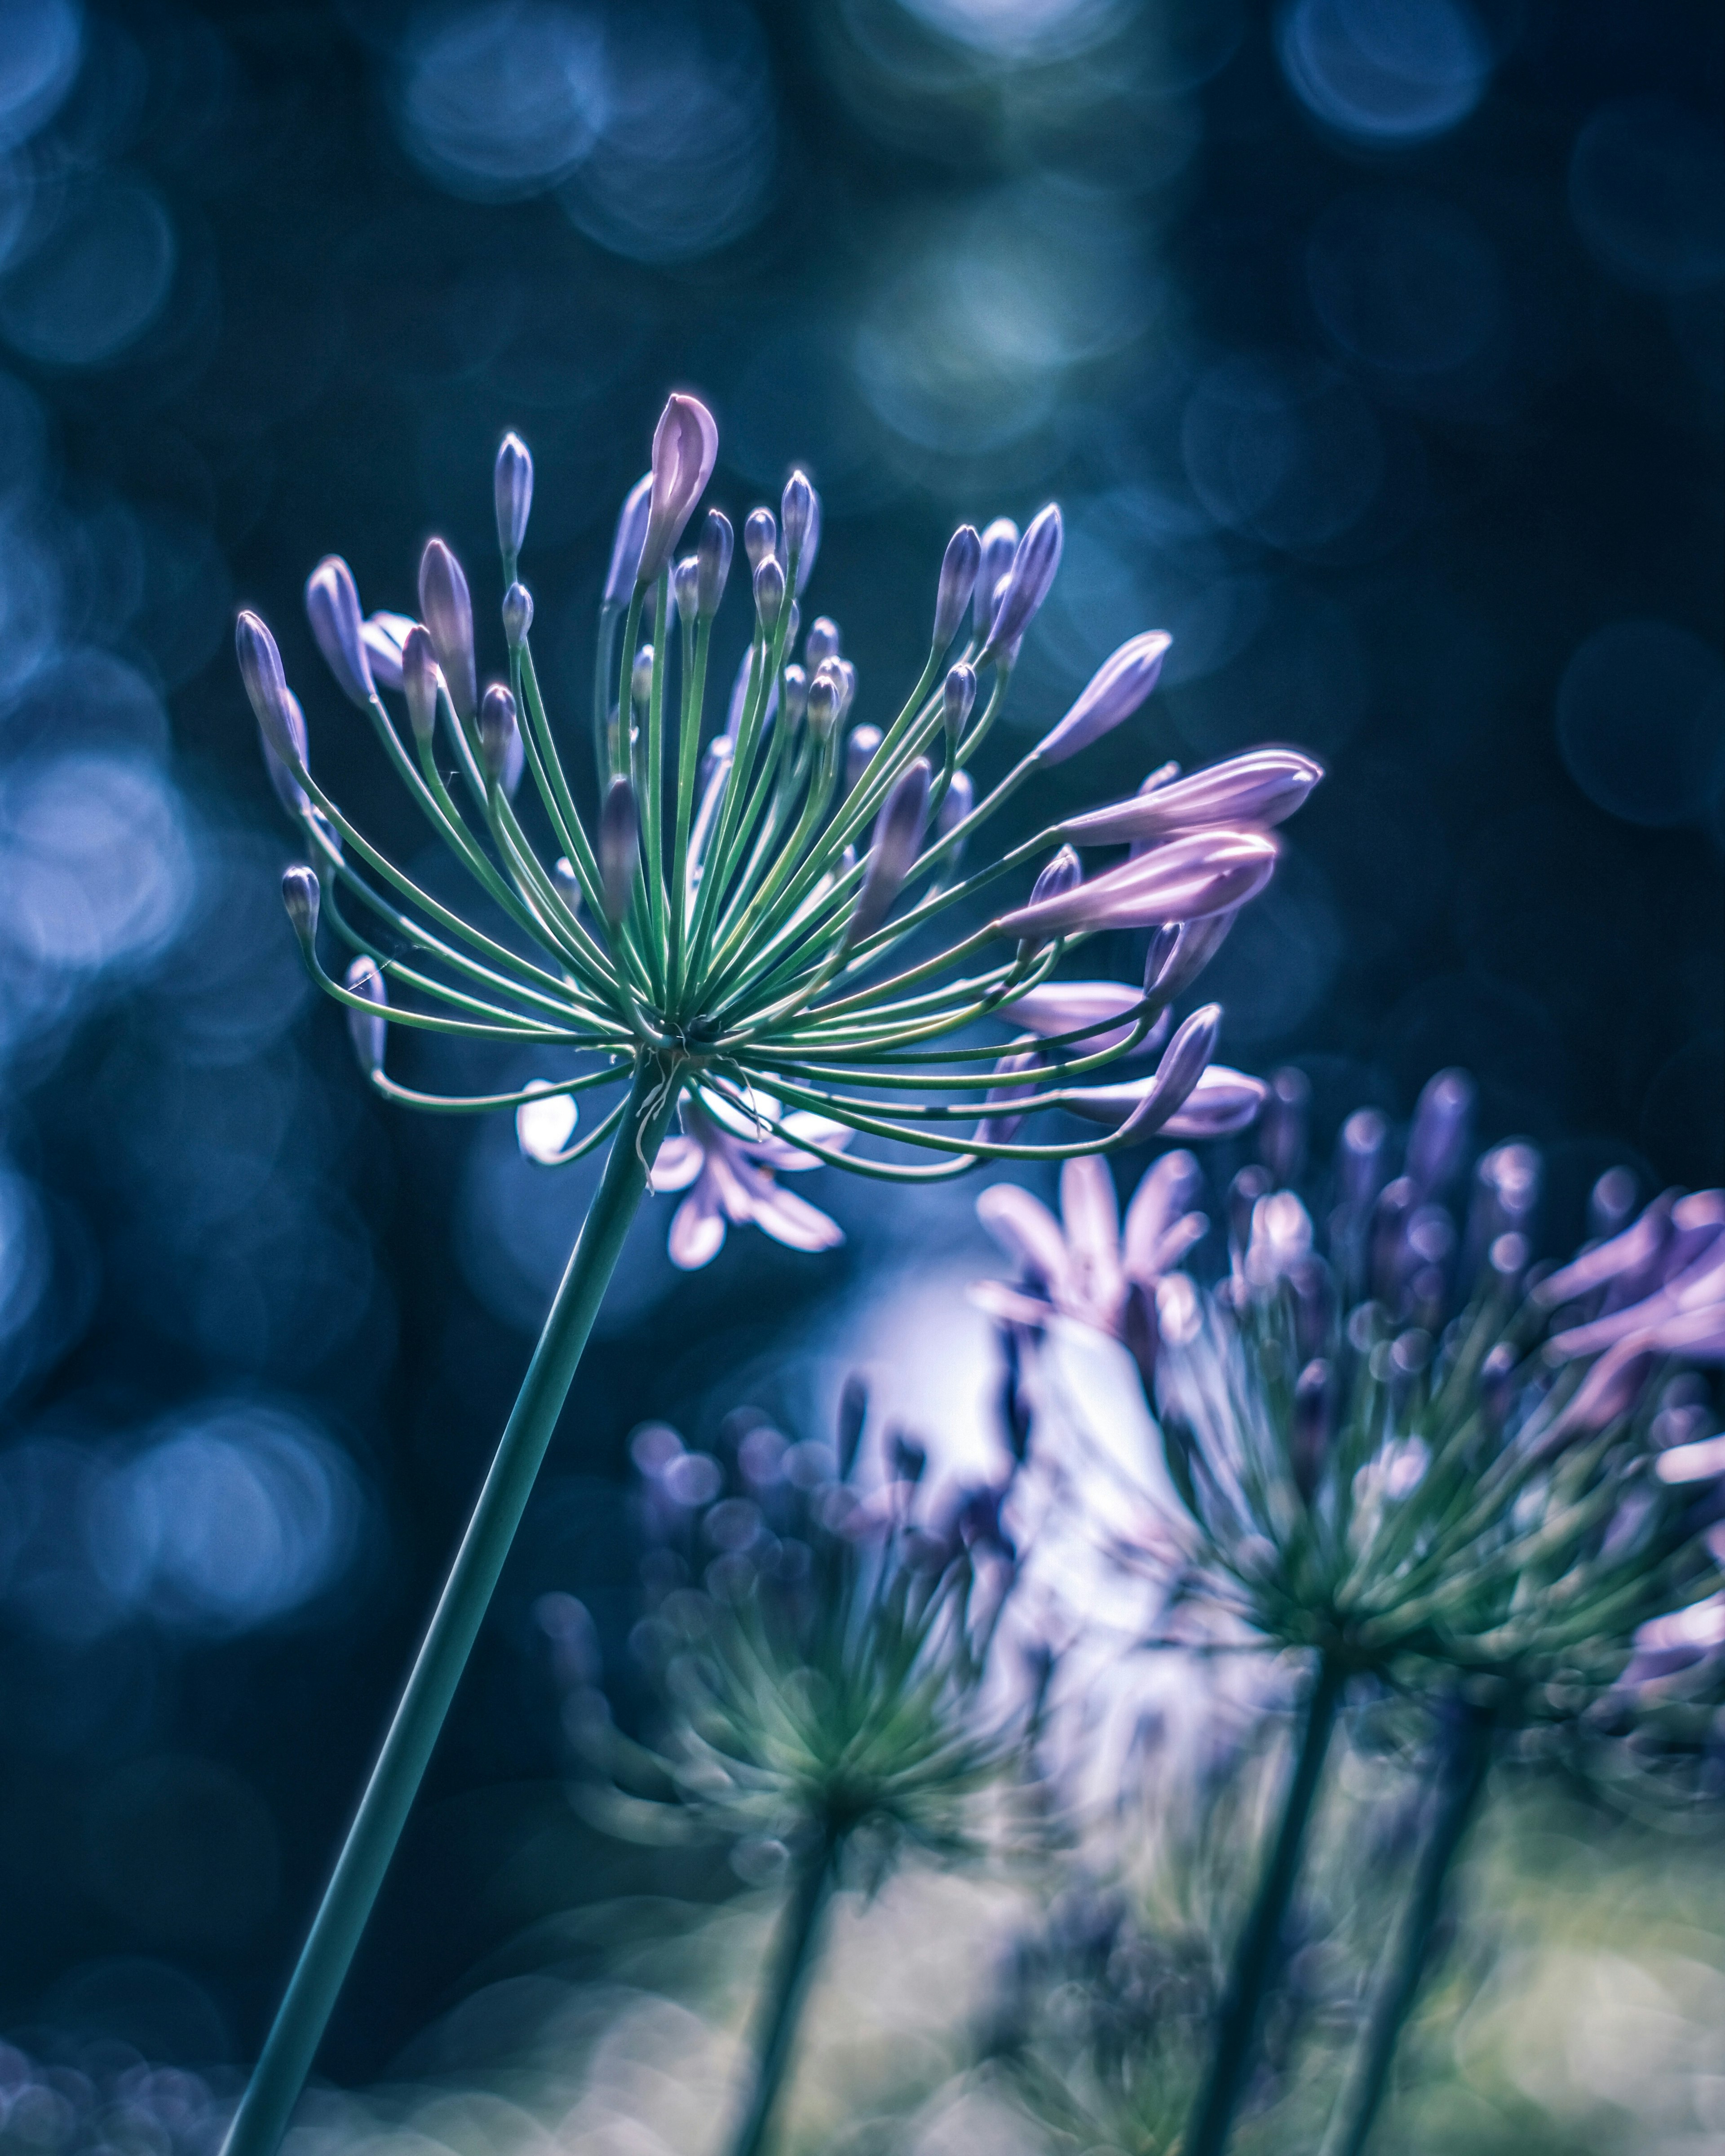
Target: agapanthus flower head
746	924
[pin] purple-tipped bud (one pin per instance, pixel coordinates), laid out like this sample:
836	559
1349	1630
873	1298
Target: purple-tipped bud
956	587
685	587
267	688
1159	957
1027	585
517	615
1264	788
898	834
1195	943
420	677
1116	690
366	1029
332	608
794	683
288	789
685	447
1359	1157
618	847
1438	1136
302	896
826	699
1610	1203
958	698
822	642
1144	1106
446	606
796	514
713	552
859	749
1000	542
769	592
960	800
640	677
1064	873
760	536
626	542
497	732
384	635
513	485
1204	872
1281	1136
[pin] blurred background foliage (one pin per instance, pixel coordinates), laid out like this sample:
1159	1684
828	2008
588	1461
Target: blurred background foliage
1376	351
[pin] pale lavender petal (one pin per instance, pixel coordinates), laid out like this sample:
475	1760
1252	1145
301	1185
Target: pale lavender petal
793	1220
544	1126
626	542
1637	1245
1204	872
1165	1191
384	635
1058	1007
1221	1104
698	1229
1033	564
1438	1136
1090	1211
677	1164
1263	788
332	608
1010	1305
1026	1230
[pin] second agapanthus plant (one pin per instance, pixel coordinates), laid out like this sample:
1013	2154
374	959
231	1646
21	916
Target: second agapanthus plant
721	936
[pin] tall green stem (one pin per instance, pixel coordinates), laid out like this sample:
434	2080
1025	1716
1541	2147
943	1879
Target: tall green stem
1369	2078
1254	1958
798	1937
264	2112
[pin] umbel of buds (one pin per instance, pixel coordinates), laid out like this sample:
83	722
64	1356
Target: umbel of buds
723	931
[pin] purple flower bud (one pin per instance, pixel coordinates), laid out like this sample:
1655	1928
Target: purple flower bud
959	698
811	548
567	884
796	514
517	615
420	679
1360	1157
266	687
1141	1108
826	695
332	608
384	635
513	486
822	642
626	543
1205	872
640	677
1000	542
446	608
1194	944
685	587
1264	788
760	536
769	592
1222	1104
1282	1137
1092	1008
1027	584
302	896
1247	1190
861	746
1116	690
497	731
897	834
1064	873
367	1032
288	789
960	798
1439	1137
956	587
618	847
685	447
795	684
713	552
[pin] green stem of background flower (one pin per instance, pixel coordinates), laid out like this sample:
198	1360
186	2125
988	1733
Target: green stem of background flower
798	1937
264	2112
1369	2078
1255	1956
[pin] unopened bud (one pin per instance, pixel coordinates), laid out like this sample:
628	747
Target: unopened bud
640	679
382	634
810	548
897	834
825	695
626	543
760	536
796	510
288	789
959	698
714	555
686	442
366	1029
769	592
266	688
847	684
794	683
302	896
618	847
1000	542
956	587
498	732
419	679
822	642
517	615
514	490
685	587
1282	1134
1033	564
332	607
1064	873
859	749
447	608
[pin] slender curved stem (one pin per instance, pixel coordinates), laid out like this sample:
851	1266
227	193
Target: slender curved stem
798	1937
264	2112
1255	1957
1369	2076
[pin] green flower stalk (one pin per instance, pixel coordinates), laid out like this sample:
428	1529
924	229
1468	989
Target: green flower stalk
743	931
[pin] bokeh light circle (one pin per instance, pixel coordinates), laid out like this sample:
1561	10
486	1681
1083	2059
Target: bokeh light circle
502	99
1385	72
1641	722
1647	193
96	279
40	51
